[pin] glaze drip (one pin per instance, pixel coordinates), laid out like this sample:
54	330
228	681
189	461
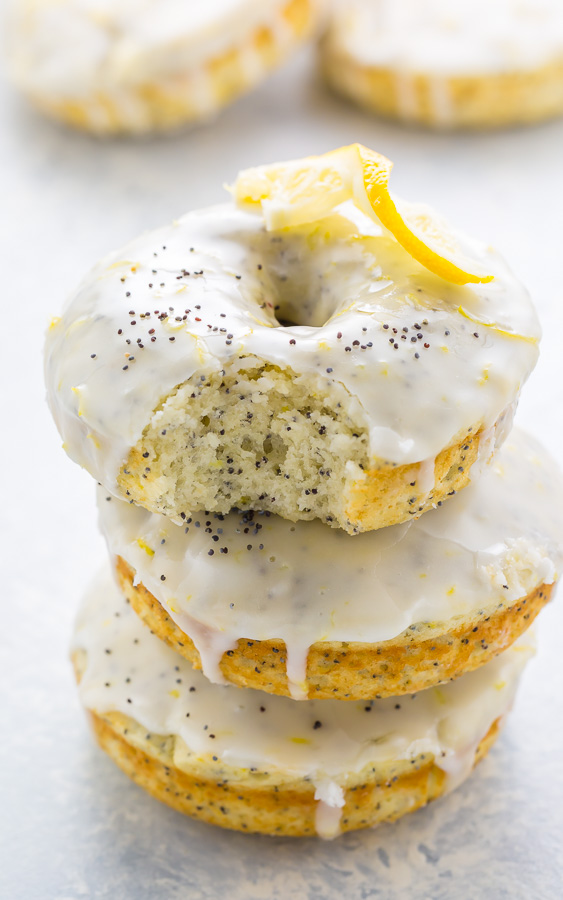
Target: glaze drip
129	670
492	544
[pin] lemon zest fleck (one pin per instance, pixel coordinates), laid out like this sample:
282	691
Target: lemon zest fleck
495	327
78	392
144	546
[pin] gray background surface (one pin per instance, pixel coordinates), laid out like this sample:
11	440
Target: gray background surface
72	825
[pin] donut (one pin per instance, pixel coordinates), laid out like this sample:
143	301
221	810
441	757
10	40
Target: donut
137	66
312	612
469	64
315	348
255	763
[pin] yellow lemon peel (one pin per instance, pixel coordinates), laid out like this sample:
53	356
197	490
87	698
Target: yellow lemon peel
304	191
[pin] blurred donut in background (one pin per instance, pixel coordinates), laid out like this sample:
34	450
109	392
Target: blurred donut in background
448	63
138	66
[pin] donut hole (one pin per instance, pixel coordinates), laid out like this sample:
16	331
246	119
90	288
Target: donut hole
287	323
297	275
303	304
252	435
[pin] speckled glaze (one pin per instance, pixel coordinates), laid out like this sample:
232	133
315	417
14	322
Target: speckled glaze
450	37
129	670
423	360
305	582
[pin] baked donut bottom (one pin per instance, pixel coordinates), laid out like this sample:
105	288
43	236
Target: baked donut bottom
181	98
245	760
291	811
495	100
422	656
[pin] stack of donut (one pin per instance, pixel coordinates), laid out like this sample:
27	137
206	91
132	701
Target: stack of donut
326	543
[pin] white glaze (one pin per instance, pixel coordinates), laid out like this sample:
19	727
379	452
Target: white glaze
76	48
343	275
493	543
143	678
449	37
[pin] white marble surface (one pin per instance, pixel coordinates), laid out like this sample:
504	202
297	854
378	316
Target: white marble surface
72	825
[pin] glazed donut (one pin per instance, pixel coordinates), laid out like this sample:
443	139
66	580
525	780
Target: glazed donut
296	359
243	760
471	63
137	66
308	611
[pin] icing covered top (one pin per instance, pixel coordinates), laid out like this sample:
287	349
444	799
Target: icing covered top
451	37
257	576
421	358
71	47
131	671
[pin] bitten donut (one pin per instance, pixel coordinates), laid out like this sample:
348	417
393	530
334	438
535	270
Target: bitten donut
315	348
134	66
244	760
471	63
313	612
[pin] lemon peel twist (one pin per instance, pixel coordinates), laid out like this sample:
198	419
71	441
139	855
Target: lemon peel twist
303	191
